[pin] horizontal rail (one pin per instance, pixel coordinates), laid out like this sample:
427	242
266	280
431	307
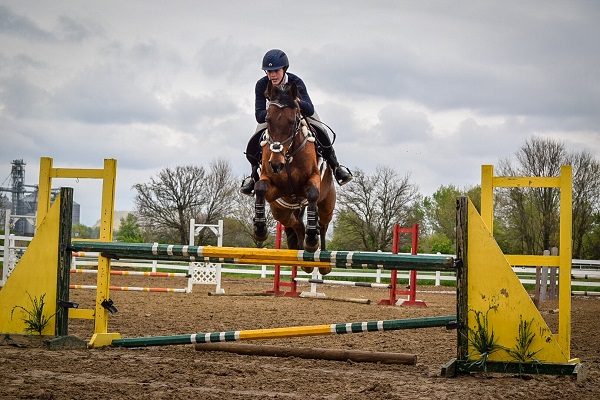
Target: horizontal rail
345	283
133	289
296	331
237	255
134	273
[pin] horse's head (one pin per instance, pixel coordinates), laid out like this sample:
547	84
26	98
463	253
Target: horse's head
283	123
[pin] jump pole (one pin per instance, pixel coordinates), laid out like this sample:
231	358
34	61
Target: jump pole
133	289
253	256
311	353
296	331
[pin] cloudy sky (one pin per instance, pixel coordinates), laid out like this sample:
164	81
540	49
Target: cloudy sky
430	88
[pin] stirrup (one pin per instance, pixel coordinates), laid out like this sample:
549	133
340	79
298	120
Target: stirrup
247	187
342	175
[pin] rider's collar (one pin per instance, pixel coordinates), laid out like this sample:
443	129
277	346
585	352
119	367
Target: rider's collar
284	80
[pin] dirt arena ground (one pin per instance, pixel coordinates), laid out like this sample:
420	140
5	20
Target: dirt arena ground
28	371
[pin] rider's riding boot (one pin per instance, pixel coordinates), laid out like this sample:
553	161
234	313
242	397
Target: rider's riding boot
342	174
249	181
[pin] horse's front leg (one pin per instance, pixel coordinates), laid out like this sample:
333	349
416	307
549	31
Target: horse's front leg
260	218
311	239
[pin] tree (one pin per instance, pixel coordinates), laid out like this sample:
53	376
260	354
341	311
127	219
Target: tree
82	231
244	215
586	199
532	213
370	205
166	204
216	200
591	241
129	230
440	217
528	218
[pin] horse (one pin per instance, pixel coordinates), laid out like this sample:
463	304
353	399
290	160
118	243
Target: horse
291	179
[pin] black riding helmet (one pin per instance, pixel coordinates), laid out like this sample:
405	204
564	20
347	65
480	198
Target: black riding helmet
275	59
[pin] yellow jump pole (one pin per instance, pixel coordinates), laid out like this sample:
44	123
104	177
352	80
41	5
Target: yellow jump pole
295	331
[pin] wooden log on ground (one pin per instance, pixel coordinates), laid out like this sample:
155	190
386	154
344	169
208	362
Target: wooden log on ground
349	300
310	353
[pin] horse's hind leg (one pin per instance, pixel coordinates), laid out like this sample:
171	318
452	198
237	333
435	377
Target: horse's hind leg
293	243
291	238
260	218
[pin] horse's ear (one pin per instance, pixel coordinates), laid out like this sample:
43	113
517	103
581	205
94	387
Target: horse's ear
294	90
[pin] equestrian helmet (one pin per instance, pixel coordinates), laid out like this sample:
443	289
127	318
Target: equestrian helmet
275	59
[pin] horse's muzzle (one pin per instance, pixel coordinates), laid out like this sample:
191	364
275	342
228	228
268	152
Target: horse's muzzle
276	167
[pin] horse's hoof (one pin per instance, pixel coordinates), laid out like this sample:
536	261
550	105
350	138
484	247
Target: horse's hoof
324	270
260	233
308	270
311	245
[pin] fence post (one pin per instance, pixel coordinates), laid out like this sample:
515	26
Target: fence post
553	287
544	283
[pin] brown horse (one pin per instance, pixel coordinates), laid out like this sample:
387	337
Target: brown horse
290	179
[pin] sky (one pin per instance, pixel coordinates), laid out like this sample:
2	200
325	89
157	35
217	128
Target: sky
433	89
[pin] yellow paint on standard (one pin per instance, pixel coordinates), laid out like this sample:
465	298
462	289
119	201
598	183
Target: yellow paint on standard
493	284
35	275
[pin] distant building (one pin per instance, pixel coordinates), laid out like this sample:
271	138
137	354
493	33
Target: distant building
23	202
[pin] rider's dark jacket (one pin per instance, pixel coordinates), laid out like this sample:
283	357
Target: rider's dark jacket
260	102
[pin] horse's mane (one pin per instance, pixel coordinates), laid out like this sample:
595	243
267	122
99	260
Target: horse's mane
283	94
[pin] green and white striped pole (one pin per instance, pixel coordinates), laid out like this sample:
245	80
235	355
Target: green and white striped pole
238	255
296	331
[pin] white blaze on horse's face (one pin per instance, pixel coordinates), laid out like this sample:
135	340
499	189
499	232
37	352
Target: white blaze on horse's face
281	124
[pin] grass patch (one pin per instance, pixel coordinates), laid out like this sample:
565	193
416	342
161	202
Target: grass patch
522	352
34	318
481	338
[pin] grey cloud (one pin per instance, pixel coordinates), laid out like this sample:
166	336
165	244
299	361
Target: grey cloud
188	111
228	59
72	30
20	26
21	99
521	60
400	125
107	96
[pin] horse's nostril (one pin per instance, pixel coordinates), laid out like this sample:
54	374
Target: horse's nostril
276	167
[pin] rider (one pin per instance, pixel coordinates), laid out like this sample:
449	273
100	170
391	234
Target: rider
275	64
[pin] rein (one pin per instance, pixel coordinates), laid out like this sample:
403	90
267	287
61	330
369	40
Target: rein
277	147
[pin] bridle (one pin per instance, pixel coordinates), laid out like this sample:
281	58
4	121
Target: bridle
300	125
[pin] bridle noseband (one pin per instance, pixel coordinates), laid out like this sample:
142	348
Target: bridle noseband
277	147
